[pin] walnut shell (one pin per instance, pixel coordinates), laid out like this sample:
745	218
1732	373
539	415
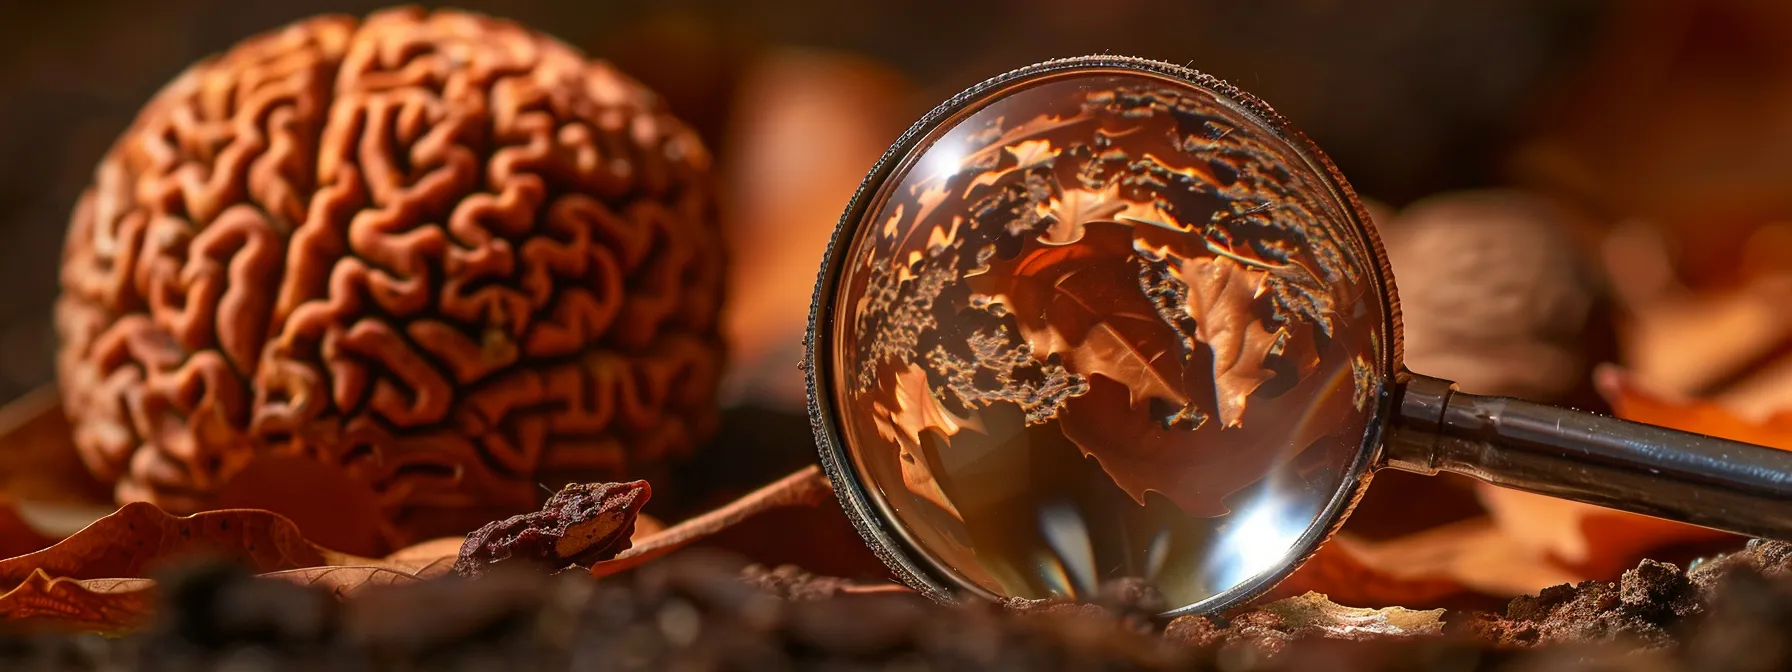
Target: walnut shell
410	266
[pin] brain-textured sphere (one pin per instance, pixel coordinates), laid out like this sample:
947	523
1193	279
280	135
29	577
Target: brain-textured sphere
415	266
1104	325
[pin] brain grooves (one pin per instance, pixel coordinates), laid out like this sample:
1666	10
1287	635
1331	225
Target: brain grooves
437	252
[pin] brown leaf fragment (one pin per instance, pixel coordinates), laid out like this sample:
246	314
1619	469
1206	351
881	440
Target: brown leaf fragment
807	487
1072	212
96	579
345	581
917	411
43	602
140	536
1632	400
1080	302
581	524
1343	572
426	560
1220	300
1076	208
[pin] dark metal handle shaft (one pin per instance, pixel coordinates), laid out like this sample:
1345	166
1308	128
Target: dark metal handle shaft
1590	458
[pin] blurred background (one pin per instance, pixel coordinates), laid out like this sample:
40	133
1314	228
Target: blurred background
1561	184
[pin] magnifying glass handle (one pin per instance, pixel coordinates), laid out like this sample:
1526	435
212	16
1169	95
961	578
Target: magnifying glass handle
1655	471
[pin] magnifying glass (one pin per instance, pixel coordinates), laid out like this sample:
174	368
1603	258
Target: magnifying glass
1105	318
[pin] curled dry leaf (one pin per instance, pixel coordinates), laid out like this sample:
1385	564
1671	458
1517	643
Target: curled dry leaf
1633	401
1221	294
426	560
917	411
580	524
807	487
1082	304
97	578
140	536
1342	571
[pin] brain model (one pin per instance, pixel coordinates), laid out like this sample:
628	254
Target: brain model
390	277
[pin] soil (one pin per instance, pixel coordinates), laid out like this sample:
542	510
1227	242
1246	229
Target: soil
701	611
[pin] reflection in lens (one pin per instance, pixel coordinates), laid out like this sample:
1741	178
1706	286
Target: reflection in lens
1104	326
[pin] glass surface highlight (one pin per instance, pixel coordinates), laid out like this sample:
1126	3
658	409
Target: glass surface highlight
1105	325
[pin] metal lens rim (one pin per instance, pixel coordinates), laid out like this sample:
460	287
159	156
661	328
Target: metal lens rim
916	567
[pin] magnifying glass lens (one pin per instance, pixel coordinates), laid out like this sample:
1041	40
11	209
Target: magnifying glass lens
1105	323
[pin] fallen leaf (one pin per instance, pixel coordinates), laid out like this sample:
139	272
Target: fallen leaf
1475	554
345	581
1632	400
43	602
1082	302
918	411
139	536
1220	299
96	579
645	526
1029	153
1075	209
807	487
1339	571
428	559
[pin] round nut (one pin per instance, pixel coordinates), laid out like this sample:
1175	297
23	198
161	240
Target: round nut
1493	292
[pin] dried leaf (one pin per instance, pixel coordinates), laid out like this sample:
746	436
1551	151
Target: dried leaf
1338	570
1633	401
1086	305
580	524
1082	303
1474	554
917	411
140	536
1077	208
43	602
1220	300
346	580
807	487
428	559
1588	541
1315	614
1029	153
